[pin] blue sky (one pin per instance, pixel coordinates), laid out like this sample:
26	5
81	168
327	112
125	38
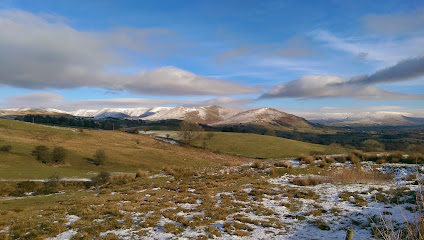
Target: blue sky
298	56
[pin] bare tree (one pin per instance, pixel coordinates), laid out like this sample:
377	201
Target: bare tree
190	132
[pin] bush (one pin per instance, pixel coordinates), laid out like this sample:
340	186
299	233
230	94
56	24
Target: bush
27	186
58	154
100	179
6	148
99	157
41	152
52	185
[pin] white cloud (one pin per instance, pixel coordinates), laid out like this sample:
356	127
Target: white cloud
321	86
384	50
44	53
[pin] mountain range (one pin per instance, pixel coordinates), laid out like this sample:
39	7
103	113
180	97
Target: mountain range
216	115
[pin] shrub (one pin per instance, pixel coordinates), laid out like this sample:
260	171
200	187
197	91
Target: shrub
99	179
58	154
99	157
6	148
27	186
41	152
52	185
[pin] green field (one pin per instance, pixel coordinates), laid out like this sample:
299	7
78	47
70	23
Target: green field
122	150
258	146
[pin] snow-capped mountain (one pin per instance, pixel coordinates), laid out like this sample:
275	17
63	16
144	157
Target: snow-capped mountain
264	115
111	112
216	115
382	118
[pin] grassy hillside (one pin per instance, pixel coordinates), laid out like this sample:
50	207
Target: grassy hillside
260	146
124	154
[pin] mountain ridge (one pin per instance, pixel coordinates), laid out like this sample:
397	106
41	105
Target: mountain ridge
216	115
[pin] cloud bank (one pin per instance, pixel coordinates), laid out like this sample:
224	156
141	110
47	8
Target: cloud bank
361	87
43	53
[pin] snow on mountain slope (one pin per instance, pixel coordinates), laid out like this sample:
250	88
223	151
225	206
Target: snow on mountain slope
360	118
264	115
111	112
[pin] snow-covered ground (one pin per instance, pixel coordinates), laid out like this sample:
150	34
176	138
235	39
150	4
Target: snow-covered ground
255	206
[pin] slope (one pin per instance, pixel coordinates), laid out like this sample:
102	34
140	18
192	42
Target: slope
124	154
257	146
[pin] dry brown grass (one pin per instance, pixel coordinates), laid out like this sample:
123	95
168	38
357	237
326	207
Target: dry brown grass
306	159
141	174
284	164
122	178
180	172
307	181
356	175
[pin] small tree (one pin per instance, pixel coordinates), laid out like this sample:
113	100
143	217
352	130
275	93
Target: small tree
41	152
100	157
190	132
58	154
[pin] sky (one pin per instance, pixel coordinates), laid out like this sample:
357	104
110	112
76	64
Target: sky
296	56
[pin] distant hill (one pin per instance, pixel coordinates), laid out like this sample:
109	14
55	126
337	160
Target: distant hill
381	118
221	116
